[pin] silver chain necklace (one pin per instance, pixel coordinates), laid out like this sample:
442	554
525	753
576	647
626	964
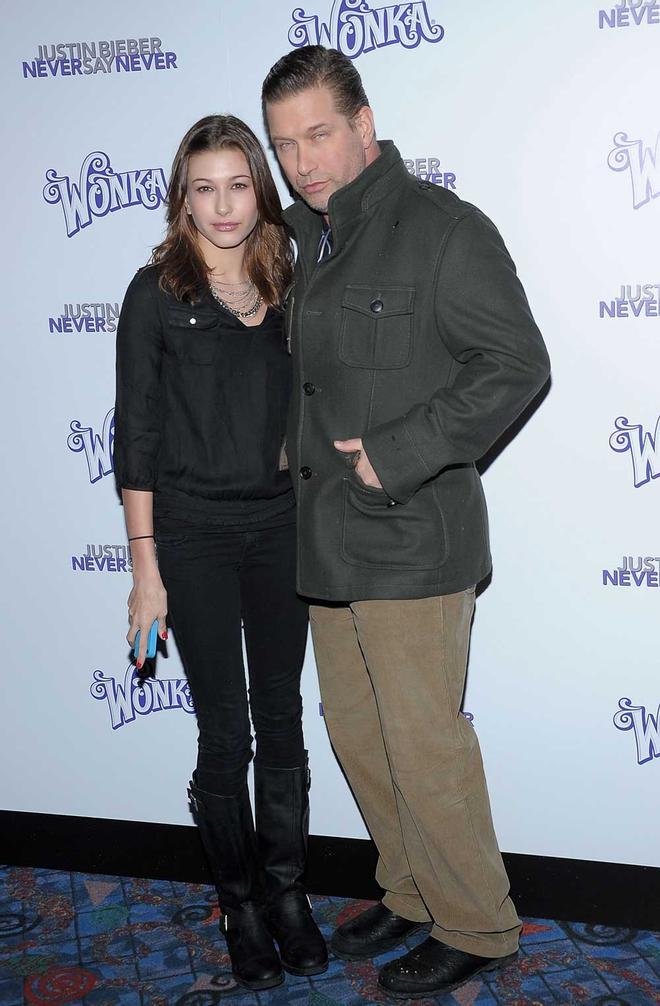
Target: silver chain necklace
235	310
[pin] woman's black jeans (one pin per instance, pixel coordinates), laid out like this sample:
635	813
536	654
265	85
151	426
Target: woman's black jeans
216	579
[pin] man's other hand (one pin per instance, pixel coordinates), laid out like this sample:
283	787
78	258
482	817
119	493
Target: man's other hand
362	464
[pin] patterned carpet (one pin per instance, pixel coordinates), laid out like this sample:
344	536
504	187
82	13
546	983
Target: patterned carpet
108	941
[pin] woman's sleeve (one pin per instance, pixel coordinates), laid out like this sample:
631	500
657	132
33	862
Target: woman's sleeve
138	399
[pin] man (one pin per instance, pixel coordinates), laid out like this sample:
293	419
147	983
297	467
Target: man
414	349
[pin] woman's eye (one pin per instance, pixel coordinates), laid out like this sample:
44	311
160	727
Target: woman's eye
240	185
204	188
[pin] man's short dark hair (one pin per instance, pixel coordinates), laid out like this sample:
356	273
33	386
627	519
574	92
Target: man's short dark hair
316	66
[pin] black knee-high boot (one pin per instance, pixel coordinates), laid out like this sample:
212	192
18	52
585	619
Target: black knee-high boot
227	832
282	820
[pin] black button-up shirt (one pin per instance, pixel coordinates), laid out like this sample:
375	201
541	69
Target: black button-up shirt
201	408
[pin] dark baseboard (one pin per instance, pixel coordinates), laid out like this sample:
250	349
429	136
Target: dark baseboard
544	887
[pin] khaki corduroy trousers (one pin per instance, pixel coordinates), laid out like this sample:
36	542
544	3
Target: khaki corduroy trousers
392	675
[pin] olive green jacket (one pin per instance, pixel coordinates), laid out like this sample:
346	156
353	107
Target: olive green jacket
414	334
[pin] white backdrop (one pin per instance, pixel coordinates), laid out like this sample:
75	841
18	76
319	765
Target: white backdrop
547	118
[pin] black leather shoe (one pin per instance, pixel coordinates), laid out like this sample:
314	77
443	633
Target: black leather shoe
373	932
302	947
433	967
254	960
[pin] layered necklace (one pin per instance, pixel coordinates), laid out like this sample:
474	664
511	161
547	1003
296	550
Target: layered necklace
241	299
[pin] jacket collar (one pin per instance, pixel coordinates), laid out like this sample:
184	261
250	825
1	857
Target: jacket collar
347	205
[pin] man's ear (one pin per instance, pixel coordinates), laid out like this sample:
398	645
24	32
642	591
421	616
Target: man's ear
363	122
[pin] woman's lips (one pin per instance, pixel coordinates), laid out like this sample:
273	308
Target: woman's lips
230	226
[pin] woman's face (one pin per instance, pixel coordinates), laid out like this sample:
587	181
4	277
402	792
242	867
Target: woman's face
220	197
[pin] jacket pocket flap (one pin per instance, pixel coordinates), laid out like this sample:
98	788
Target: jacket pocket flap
190	317
379	302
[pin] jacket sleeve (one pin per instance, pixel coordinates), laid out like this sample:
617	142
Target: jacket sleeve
138	399
483	317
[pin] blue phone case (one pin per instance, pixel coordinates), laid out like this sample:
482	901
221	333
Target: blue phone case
151	642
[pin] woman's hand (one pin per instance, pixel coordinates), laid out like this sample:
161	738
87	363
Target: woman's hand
147	601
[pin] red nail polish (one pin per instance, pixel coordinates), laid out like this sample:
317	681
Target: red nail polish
139	665
164	635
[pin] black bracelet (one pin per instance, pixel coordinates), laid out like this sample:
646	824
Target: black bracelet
139	536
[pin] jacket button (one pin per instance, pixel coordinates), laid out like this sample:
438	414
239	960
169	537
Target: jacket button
376	306
309	388
193	321
305	472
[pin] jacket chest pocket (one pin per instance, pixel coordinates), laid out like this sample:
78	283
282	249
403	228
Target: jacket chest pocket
192	334
376	327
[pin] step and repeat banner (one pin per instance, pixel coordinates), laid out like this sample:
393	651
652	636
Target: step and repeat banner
547	118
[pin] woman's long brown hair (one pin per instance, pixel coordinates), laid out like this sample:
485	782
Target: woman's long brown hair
268	255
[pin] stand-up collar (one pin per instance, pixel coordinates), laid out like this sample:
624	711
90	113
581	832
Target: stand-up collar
346	206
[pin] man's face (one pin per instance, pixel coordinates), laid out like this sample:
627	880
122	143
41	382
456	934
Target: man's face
319	149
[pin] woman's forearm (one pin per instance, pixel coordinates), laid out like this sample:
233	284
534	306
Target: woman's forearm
139	517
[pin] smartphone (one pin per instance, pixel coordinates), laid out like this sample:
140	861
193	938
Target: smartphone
151	642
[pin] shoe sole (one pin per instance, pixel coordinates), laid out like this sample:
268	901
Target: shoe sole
305	972
377	948
497	965
260	986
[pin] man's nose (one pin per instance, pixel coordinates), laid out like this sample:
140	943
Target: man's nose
306	162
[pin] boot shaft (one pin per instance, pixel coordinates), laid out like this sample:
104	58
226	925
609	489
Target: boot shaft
228	836
282	825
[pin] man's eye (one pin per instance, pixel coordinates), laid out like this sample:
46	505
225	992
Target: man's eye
283	146
319	136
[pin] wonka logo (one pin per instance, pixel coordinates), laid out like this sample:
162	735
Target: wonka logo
354	27
98	448
645	725
634	301
100	190
644	449
642	162
138	697
630	13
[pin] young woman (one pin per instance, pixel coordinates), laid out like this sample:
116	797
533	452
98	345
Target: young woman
203	382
